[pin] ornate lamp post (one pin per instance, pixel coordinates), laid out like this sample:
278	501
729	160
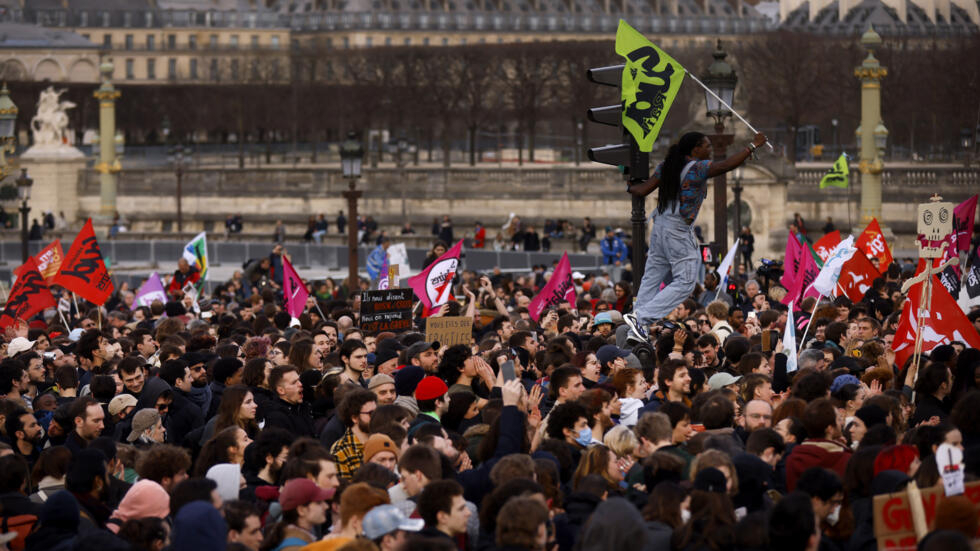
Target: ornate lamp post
351	157
870	73
24	193
108	166
721	79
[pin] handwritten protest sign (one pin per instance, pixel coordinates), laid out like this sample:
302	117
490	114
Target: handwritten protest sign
449	331
893	518
386	310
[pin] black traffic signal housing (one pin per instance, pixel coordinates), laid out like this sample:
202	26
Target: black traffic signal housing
634	163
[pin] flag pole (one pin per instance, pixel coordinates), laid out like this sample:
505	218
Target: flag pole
74	300
723	102
63	320
810	320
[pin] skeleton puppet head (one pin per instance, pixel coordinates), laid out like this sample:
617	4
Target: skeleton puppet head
935	223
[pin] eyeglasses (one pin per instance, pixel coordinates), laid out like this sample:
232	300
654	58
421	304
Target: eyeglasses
367	412
163	407
198	368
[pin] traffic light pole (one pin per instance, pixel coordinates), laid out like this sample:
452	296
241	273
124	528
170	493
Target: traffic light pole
639	220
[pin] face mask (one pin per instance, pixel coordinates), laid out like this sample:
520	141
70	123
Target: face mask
685	515
834	516
584	436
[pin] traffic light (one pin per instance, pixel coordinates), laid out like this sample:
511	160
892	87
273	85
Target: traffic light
634	163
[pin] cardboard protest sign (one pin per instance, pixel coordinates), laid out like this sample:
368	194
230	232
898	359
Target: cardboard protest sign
386	310
893	517
449	331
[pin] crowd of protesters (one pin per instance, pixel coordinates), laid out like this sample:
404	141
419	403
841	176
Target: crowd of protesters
230	425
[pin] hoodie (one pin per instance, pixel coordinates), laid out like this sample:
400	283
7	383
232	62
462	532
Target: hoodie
816	452
198	526
57	525
145	499
228	477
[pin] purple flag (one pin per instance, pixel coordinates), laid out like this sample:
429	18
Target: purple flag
150	290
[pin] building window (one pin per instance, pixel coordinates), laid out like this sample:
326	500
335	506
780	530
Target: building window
151	42
149	19
445	41
107	41
151	69
213	41
83	19
408	41
192	42
369	41
171	42
214	70
129	70
193	68
274	42
172	68
127	19
106	20
387	41
234	69
425	41
129	42
87	36
233	41
255	41
346	42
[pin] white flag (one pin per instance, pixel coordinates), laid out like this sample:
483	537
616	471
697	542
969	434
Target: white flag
726	264
789	341
826	280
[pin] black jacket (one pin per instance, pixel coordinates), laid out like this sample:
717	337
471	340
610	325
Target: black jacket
183	417
263	397
926	407
296	418
217	390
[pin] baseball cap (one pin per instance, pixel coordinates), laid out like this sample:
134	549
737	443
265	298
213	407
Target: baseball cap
430	388
609	352
302	491
578	275
721	380
18	345
385	519
603	317
419	348
121	402
380	379
144	419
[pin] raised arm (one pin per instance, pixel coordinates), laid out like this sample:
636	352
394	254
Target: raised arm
737	159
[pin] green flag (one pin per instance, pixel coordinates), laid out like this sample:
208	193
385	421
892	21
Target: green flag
838	176
651	80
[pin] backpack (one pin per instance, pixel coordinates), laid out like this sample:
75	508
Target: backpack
22	525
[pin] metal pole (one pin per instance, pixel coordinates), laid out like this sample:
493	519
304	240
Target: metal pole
180	214
720	143
24	209
639	220
738	212
352	195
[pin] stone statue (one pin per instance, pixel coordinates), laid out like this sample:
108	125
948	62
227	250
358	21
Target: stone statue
50	124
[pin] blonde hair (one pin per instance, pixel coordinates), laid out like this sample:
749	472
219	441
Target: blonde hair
621	440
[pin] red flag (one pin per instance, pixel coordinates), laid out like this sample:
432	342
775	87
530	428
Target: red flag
963	216
560	288
808	271
826	244
294	292
943	323
791	262
434	285
872	243
48	261
83	271
856	277
29	296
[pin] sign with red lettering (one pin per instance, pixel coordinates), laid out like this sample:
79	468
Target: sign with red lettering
83	272
387	310
893	517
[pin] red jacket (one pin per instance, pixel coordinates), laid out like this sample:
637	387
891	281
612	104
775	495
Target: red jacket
816	452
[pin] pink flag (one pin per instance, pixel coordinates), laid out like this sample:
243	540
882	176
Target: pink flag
294	292
963	216
791	262
807	272
560	288
434	285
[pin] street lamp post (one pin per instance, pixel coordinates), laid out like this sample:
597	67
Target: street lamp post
721	79
24	193
108	165
873	132
181	157
737	189
351	157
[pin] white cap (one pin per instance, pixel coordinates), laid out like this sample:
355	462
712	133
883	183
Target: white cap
18	345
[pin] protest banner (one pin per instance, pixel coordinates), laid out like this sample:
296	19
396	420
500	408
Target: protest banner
83	271
386	310
894	519
449	331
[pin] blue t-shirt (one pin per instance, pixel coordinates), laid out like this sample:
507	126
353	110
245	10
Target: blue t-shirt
694	187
